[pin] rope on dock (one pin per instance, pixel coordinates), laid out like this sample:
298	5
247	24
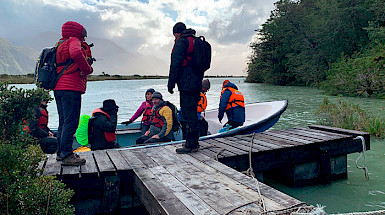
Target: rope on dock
362	154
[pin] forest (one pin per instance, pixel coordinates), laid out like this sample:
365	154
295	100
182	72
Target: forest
336	45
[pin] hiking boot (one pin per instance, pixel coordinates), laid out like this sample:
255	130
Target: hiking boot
186	150
59	158
73	160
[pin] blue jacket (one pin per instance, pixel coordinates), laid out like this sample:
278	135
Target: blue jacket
235	114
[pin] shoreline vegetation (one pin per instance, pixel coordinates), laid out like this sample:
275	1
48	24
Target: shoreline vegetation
337	46
29	78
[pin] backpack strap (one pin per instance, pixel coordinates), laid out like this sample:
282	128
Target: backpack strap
68	62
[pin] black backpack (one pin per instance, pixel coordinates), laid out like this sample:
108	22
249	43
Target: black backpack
175	120
201	58
45	71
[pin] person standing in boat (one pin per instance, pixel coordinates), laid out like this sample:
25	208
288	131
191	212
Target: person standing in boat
202	105
232	103
161	123
189	83
102	126
145	109
70	87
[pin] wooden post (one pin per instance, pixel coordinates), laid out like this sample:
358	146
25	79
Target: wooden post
325	167
111	193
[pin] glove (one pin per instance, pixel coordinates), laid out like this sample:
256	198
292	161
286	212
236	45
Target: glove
126	122
171	90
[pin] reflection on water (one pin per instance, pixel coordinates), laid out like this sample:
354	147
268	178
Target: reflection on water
353	194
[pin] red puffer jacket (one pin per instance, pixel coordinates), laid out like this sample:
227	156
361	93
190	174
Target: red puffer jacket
75	77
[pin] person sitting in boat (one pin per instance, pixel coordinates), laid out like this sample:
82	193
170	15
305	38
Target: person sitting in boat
161	122
38	128
232	103
145	109
102	126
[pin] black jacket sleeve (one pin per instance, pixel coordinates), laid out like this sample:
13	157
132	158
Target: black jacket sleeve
177	57
101	122
36	131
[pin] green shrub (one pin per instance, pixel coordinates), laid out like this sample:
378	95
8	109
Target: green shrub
22	189
349	116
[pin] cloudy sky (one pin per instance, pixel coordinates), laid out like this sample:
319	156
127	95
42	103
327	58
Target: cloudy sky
145	26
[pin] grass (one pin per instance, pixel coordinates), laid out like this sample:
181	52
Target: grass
349	116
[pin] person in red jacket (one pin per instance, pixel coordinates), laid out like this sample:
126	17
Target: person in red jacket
70	86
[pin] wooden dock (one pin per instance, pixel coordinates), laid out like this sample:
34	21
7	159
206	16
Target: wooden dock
159	181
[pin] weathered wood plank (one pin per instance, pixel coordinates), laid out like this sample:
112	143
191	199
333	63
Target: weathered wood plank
302	135
238	145
90	166
326	134
70	170
156	197
337	130
53	167
213	151
145	159
264	142
256	146
232	184
229	148
279	137
118	161
218	196
103	162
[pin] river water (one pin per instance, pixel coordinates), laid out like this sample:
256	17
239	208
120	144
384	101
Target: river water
349	195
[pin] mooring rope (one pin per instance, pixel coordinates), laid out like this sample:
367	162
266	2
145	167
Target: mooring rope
362	154
250	172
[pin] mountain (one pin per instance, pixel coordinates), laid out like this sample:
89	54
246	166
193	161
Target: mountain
16	60
110	57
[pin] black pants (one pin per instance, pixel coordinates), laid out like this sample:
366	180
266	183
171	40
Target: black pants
189	103
48	144
203	127
68	107
147	139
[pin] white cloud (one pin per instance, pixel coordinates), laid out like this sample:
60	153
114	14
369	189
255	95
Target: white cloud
145	27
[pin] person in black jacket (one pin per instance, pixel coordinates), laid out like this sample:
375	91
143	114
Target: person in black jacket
38	128
102	126
189	83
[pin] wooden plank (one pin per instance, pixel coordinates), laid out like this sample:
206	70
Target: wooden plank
338	130
214	151
68	171
279	140
238	145
302	135
281	137
53	167
232	184
155	196
103	162
264	143
327	133
256	146
228	148
144	158
90	166
218	196
193	202
118	161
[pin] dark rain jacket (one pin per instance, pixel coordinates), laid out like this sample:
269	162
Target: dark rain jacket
100	124
185	77
235	114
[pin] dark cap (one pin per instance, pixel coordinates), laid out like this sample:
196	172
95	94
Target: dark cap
84	33
109	104
157	95
178	27
150	90
206	83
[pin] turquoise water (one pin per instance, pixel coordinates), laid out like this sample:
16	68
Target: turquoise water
352	194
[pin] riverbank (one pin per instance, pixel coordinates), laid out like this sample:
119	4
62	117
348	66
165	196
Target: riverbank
29	78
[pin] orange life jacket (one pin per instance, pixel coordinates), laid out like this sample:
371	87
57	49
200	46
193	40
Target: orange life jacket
110	136
156	118
43	119
146	119
190	50
236	98
202	104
